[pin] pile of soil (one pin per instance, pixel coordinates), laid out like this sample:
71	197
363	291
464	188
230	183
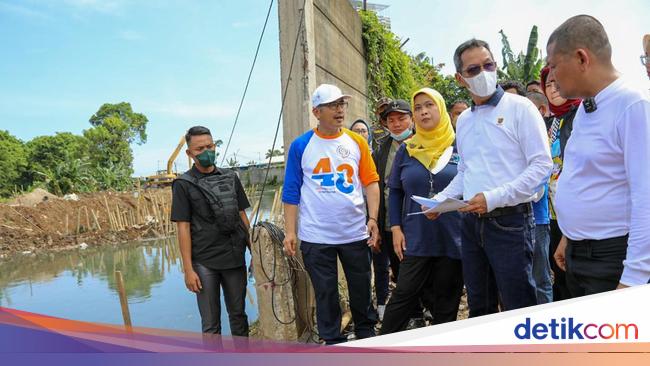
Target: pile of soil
33	198
40	221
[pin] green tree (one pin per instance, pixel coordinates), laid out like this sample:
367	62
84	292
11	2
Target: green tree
136	122
389	71
522	68
232	162
109	143
13	163
45	153
429	75
393	73
68	176
270	153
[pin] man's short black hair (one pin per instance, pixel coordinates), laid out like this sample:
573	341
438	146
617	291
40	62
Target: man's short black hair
512	84
537	98
459	101
533	82
467	45
196	131
581	31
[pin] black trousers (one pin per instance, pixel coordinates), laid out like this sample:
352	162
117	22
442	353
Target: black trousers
380	263
233	281
560	289
320	263
594	266
437	281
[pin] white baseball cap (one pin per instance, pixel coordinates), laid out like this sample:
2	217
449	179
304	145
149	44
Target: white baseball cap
326	93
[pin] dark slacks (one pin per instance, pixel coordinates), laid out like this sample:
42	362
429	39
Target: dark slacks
380	263
560	289
497	256
594	266
233	281
320	263
438	281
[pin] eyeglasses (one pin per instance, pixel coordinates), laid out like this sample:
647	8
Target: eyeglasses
644	60
474	70
336	105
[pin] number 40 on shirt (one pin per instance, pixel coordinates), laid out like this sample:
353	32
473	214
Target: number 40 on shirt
344	175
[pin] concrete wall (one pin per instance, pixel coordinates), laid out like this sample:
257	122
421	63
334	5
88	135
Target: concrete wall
256	175
330	50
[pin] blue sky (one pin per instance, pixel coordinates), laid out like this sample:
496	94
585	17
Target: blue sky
185	62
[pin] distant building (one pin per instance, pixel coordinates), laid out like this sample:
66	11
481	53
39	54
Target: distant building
377	8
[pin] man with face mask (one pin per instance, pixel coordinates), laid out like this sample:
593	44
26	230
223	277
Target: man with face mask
504	164
398	121
208	206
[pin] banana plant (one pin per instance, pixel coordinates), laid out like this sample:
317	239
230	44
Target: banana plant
523	68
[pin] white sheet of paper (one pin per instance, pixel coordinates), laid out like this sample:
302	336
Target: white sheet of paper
448	205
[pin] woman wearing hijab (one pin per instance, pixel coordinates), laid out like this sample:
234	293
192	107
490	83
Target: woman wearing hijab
429	250
361	127
559	130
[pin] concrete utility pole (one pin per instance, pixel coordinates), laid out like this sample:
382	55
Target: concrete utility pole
330	50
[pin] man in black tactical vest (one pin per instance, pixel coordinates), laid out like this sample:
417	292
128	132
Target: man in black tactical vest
208	207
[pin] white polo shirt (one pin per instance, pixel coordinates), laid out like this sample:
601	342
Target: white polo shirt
504	152
604	189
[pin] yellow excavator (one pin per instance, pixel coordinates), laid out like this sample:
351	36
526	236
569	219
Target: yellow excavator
164	178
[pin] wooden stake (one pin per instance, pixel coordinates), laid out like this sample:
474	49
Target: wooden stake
66	225
78	219
99	227
123	300
87	218
108	213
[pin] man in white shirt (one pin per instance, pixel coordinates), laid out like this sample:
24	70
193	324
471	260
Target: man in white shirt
603	195
327	170
504	163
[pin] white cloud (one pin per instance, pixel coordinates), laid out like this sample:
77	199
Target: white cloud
190	111
23	11
625	25
100	6
240	24
130	35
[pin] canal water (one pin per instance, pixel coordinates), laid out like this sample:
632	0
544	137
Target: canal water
80	285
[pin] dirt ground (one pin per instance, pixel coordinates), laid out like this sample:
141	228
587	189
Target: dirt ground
39	221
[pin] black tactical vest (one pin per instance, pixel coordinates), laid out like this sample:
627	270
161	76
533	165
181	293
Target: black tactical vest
217	231
221	196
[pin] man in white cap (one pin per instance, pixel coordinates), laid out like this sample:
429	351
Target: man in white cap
327	167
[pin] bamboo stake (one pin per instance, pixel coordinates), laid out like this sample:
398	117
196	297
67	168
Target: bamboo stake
99	227
78	219
108	213
116	215
123	300
66	225
87	218
257	203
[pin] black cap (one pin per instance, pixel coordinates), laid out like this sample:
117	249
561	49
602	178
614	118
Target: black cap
397	105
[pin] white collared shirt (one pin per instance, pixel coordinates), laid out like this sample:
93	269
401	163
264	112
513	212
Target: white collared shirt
503	151
604	189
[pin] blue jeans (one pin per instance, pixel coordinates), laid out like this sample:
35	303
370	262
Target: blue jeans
497	256
541	265
320	263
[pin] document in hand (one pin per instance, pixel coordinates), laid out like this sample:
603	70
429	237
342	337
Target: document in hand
448	205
